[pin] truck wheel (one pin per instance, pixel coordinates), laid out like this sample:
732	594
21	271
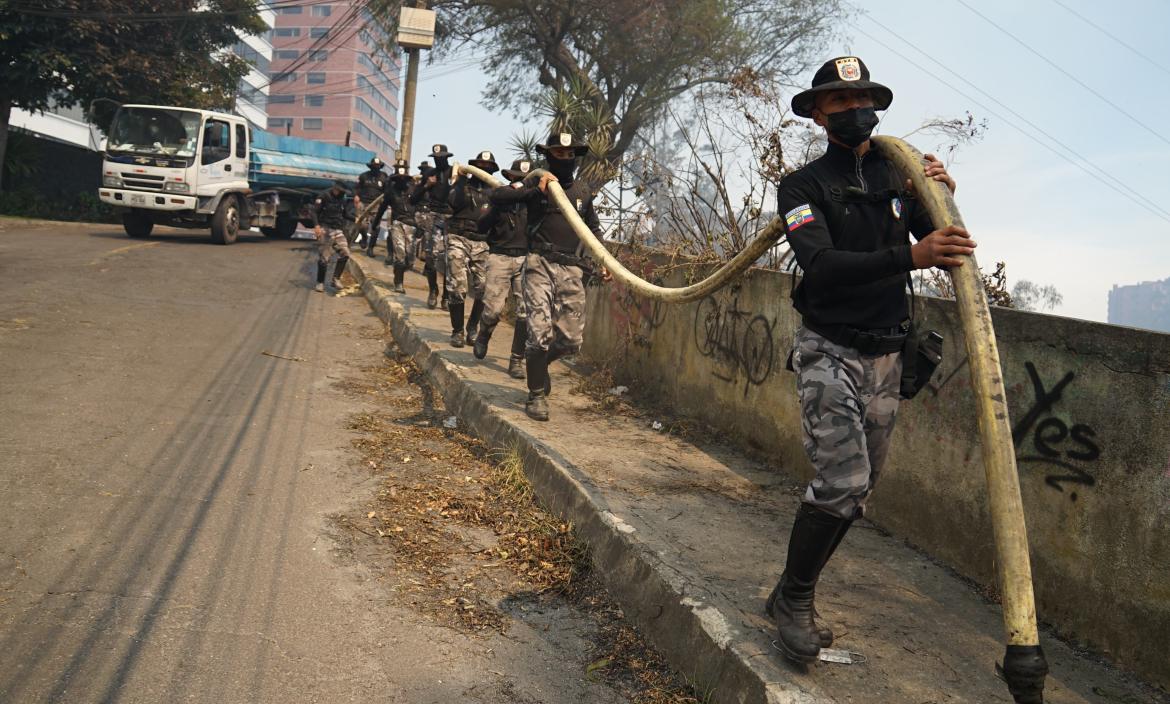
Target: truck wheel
225	224
137	223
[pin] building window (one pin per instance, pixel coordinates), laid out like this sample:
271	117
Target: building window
290	10
319	32
288	32
314	101
285	77
312	123
282	99
285	54
316	77
319	55
279	123
322	11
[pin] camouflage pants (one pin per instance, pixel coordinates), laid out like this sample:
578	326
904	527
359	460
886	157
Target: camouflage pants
467	268
433	253
398	244
332	241
848	404
503	277
554	302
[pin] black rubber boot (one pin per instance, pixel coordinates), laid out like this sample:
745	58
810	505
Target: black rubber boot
519	337
445	299
399	275
516	366
455	310
371	244
537	363
555	352
473	318
322	267
479	348
823	632
433	286
338	271
813	534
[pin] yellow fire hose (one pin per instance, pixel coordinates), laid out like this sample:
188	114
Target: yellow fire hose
1024	666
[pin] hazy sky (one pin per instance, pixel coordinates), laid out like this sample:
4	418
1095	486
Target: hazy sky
1052	222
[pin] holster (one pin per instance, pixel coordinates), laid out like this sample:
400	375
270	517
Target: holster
921	356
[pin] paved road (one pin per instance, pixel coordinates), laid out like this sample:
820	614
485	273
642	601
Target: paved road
166	485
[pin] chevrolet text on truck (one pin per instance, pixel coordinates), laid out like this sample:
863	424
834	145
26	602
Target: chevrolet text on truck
201	169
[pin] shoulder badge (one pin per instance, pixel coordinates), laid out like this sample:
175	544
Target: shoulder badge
896	207
798	216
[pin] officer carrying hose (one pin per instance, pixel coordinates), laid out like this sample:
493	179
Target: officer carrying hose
330	215
848	218
400	240
554	270
433	190
467	248
370	185
506	226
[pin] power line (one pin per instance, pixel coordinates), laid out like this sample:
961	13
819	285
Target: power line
1116	185
1070	76
1114	37
149	17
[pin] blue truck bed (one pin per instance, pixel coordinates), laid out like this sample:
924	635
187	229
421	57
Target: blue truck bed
293	163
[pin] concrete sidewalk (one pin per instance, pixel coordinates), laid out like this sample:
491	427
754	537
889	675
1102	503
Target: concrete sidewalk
691	539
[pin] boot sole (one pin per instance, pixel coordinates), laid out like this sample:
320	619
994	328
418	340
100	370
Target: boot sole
790	655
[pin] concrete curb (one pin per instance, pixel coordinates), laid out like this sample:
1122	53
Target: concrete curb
684	620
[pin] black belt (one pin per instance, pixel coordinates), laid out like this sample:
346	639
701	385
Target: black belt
559	256
869	341
510	251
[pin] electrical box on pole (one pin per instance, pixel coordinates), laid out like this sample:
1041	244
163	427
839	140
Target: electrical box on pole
416	28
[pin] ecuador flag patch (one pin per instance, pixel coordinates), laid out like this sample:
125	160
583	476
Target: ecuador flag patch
798	216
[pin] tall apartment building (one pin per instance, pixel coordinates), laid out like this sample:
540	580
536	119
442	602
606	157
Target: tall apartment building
1144	305
252	95
331	78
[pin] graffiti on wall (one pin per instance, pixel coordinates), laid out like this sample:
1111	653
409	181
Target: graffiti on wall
1041	438
1053	442
740	341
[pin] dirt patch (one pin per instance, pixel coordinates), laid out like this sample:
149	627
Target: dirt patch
455	533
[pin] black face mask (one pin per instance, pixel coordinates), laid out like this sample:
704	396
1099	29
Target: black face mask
440	162
562	168
852	127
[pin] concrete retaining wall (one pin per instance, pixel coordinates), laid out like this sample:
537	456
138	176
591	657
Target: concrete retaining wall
1090	405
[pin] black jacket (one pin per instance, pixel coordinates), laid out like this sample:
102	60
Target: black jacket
434	196
370	185
506	225
547	225
849	221
469	203
397	196
330	211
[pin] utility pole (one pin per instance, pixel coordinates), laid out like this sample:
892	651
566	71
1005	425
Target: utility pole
416	31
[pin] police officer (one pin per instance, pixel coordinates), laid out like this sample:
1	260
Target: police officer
467	248
553	279
848	219
330	214
400	240
370	185
433	191
506	226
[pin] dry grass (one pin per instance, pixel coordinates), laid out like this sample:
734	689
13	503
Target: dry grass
465	534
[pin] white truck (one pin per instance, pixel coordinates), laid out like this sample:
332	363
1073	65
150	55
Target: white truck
191	168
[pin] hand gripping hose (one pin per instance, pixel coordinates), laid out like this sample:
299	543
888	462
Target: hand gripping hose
1024	666
764	240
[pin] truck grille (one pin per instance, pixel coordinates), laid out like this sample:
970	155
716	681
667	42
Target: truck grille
142	182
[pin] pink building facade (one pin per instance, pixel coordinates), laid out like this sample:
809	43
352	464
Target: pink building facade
332	78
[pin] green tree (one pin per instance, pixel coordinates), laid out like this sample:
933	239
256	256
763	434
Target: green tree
629	59
78	51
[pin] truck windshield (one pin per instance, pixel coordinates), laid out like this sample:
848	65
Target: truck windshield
155	131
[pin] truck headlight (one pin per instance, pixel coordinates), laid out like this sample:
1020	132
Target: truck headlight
173	187
111	182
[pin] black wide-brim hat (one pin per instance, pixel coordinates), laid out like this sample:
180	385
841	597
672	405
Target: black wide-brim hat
485	160
375	163
563	139
440	151
520	169
401	169
841	73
